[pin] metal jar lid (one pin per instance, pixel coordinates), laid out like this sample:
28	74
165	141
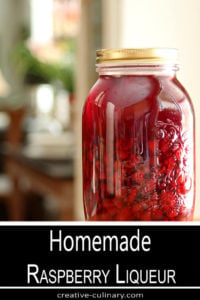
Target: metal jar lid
137	55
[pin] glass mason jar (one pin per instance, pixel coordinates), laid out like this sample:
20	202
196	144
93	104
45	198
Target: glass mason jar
138	139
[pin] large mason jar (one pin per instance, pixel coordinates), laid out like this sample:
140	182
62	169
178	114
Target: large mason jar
138	139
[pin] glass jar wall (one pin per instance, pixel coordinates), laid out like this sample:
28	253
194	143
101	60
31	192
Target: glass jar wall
138	139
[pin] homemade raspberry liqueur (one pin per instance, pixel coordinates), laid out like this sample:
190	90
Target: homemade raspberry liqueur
138	139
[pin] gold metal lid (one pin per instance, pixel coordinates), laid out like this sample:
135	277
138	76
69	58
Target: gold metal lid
137	55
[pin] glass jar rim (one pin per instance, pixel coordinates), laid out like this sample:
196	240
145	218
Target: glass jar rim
137	55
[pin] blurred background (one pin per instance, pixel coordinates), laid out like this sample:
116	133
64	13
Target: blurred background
47	67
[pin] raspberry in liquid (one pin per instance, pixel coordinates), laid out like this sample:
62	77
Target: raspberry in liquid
138	152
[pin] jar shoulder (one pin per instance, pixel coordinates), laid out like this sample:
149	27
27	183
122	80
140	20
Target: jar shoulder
125	91
177	89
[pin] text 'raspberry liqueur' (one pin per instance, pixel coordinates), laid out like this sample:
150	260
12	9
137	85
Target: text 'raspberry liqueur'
138	139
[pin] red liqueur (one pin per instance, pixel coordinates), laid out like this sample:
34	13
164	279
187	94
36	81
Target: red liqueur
138	139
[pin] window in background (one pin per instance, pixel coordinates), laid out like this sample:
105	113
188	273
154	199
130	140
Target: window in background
41	21
66	15
52	42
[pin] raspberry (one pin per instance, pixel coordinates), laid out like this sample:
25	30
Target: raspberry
124	148
171	212
128	166
133	195
168	204
170	166
171	116
128	182
162	185
108	205
105	217
165	145
118	203
173	184
124	215
184	184
156	213
137	207
146	216
167	197
136	158
154	197
178	154
123	155
138	176
149	186
125	145
170	162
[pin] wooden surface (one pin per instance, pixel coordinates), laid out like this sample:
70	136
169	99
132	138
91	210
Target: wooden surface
32	175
